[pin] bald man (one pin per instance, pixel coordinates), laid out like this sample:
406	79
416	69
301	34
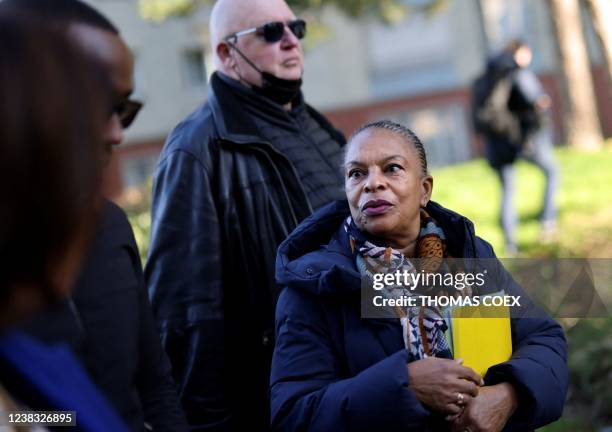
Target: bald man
234	179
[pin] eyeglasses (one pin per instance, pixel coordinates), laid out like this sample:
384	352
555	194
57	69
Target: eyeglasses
273	31
126	110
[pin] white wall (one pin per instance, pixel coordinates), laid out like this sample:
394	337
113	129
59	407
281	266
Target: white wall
159	74
365	60
336	68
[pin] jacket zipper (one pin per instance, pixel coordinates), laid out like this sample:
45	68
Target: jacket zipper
263	148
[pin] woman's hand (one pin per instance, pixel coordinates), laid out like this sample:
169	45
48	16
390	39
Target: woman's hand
489	412
438	383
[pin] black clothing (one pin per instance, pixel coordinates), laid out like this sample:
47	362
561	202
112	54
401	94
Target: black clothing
310	148
109	325
504	109
491	113
334	371
224	197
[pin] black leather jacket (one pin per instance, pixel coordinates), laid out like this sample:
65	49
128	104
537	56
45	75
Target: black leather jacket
223	200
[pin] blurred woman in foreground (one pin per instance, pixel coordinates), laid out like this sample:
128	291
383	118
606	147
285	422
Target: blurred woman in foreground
52	108
333	370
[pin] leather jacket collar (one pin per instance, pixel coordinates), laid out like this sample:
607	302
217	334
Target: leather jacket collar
240	127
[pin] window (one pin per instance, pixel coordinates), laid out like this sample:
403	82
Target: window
443	130
194	69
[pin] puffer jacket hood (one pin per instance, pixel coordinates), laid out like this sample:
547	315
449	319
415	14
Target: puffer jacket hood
333	370
316	256
319	234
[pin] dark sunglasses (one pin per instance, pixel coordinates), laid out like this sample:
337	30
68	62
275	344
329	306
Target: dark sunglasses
273	31
127	110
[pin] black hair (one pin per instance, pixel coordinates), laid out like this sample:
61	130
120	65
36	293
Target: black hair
60	12
51	123
408	136
513	45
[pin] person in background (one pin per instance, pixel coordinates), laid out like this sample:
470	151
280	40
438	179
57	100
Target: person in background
107	320
335	370
54	105
510	111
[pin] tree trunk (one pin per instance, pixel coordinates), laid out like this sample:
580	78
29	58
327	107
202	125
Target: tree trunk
601	16
580	113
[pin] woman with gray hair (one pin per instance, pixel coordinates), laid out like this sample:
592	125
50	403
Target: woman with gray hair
336	371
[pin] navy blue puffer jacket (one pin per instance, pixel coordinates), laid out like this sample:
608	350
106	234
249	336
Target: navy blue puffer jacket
333	371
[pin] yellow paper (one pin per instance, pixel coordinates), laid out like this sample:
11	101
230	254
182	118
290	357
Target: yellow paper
484	339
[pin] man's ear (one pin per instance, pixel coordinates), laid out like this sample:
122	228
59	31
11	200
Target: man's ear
426	189
224	54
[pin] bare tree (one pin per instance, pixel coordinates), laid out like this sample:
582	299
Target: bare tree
581	116
601	16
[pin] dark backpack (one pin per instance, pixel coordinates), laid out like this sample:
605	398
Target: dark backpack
491	114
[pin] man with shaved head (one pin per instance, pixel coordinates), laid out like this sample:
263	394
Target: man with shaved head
234	179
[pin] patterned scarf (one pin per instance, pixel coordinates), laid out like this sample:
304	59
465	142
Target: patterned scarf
423	327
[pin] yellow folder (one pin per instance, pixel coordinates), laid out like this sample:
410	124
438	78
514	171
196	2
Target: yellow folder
481	336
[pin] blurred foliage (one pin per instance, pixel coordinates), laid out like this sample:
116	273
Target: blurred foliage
589	400
591	370
388	10
159	10
136	201
585	230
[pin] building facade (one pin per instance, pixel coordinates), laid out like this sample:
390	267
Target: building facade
418	72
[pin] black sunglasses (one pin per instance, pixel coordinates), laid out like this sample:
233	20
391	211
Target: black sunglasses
273	31
126	110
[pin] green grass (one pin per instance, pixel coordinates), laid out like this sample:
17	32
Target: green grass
584	200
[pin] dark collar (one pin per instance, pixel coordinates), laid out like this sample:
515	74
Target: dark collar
233	121
327	223
263	109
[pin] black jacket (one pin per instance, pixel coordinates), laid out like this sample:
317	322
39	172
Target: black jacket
507	94
336	371
223	200
108	323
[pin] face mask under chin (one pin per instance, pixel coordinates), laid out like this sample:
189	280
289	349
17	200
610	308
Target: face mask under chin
279	90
